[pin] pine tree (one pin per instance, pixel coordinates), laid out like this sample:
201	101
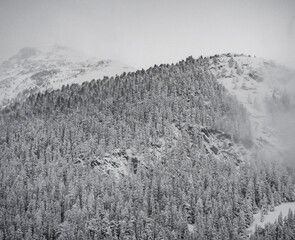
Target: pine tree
272	206
261	216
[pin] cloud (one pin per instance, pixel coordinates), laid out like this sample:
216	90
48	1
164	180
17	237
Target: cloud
144	33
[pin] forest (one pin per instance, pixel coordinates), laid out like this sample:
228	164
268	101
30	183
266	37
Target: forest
53	186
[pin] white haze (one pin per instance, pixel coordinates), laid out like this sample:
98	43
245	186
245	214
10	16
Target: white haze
282	118
143	33
285	123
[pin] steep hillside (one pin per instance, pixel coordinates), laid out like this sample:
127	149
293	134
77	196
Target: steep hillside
162	153
267	91
33	70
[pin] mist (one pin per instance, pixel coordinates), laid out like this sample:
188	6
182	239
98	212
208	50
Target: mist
285	122
144	33
281	114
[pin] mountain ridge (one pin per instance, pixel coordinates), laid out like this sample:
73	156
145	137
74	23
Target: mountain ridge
254	81
32	70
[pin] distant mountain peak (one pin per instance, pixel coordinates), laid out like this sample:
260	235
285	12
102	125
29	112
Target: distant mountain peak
27	52
34	70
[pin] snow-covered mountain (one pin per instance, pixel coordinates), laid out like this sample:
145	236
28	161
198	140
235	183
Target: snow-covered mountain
266	89
33	70
263	87
166	148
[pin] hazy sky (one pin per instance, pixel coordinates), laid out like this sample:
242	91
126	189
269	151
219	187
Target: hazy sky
142	33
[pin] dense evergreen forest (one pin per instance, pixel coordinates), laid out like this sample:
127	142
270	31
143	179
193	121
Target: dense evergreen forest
52	185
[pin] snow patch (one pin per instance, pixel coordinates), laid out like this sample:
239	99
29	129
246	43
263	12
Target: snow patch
272	216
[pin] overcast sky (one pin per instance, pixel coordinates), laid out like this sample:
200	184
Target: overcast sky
142	33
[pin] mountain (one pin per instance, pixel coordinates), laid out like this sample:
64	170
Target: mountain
163	153
266	90
33	70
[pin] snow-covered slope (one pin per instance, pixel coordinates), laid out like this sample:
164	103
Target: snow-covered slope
271	217
263	87
33	70
255	82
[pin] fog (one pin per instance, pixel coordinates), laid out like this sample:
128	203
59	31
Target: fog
285	123
281	114
143	33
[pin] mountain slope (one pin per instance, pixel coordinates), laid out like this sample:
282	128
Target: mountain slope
267	91
33	70
162	153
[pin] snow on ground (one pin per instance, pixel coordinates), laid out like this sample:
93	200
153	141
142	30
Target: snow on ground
272	216
33	70
252	80
191	228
